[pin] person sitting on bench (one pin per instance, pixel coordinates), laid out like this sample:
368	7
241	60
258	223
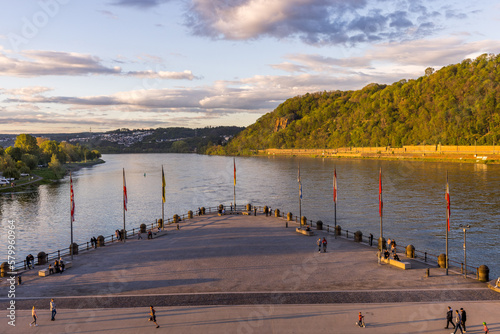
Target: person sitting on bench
396	257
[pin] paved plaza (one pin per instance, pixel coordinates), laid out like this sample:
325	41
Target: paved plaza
245	274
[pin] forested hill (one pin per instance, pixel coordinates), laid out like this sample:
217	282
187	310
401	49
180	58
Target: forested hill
457	105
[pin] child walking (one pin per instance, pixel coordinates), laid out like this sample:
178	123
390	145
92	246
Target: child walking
33	314
152	316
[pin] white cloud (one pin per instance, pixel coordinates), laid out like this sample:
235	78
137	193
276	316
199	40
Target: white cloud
34	63
318	22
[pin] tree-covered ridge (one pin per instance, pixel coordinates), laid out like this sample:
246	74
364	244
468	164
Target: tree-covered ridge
457	105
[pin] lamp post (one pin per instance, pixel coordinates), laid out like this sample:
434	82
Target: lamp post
465	228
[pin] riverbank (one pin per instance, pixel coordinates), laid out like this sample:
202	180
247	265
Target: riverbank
219	273
45	176
461	154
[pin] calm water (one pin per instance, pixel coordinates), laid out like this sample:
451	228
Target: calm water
414	199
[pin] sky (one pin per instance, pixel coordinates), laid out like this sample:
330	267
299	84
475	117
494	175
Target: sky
71	66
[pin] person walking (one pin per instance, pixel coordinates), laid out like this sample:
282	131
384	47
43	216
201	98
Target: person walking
449	318
53	309
485	328
152	315
33	314
361	320
324	242
458	323
319	245
464	318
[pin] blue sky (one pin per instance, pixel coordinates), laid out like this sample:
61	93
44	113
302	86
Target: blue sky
71	66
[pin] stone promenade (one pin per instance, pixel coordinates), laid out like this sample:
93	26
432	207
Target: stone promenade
245	274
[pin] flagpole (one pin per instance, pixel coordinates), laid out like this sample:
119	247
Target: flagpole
72	212
124	203
447	219
300	199
381	206
234	185
335	200
162	199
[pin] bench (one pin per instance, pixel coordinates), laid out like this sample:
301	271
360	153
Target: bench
395	263
245	213
45	271
304	232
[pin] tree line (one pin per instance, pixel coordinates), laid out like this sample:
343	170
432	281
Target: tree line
29	152
456	105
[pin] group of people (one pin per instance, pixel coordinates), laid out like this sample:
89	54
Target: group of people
53	311
119	235
93	242
30	261
58	266
321	243
460	320
391	250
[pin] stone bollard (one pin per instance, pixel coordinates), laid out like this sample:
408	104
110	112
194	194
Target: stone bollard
410	251
202	210
249	207
319	225
176	219
427	272
303	220
75	248
358	236
190	214
483	273
289	216
442	260
338	230
143	228
42	258
277	213
100	241
4	269
382	243
159	223
266	210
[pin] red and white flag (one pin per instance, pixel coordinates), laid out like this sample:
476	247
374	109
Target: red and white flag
380	202
72	197
335	185
125	200
448	210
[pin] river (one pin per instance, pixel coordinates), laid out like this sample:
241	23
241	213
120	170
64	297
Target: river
413	194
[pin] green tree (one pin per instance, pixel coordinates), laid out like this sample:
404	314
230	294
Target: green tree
30	160
15	152
56	167
27	143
